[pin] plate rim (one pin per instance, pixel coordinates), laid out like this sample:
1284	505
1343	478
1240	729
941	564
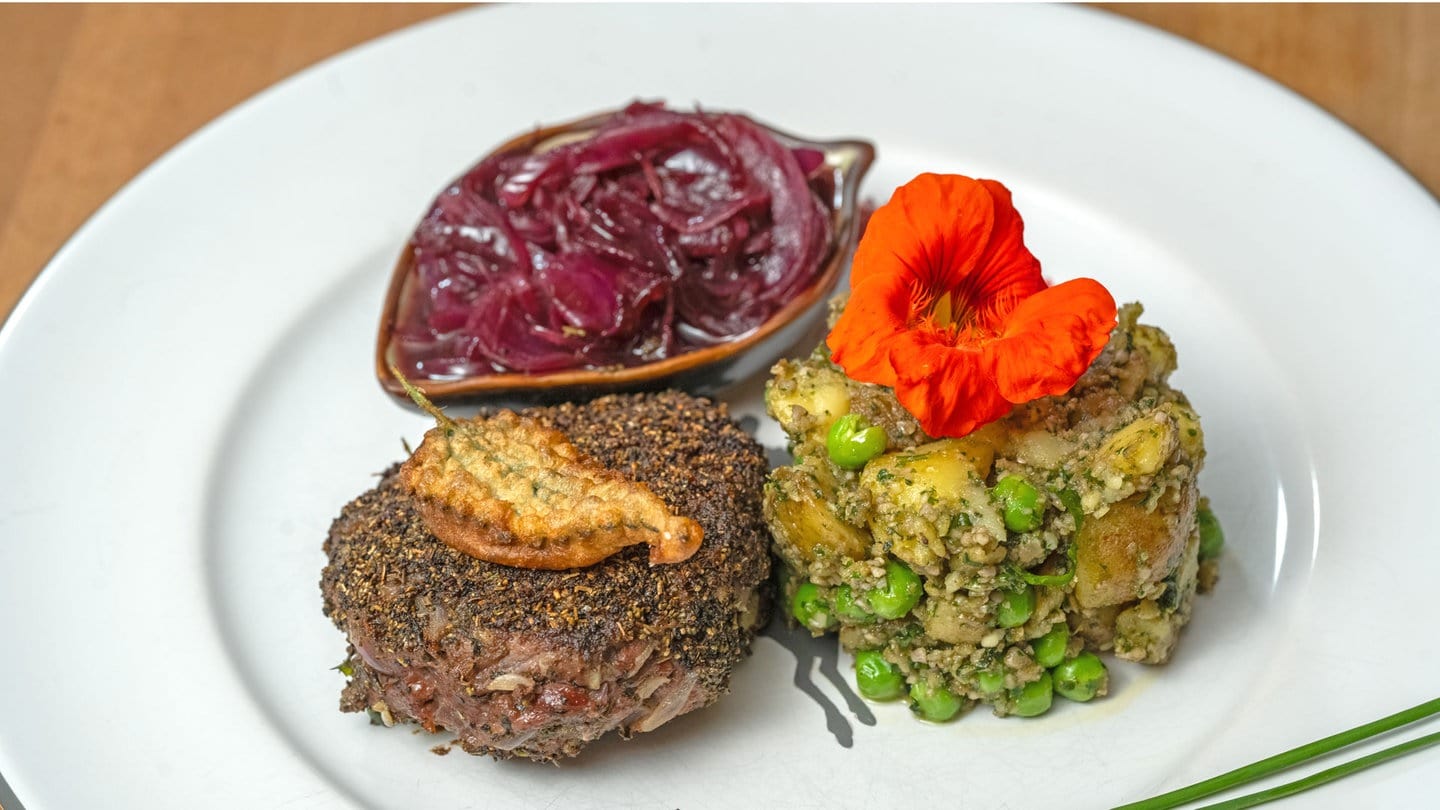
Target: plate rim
35	288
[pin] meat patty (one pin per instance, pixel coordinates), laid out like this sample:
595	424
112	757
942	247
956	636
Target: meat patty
536	663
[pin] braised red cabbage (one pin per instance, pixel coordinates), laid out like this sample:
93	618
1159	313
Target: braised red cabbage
661	233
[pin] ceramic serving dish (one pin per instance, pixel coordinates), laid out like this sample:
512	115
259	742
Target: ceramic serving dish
702	370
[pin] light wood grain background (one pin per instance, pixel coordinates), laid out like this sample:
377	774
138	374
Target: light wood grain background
91	94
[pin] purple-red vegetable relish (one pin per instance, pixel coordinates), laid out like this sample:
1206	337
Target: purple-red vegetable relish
660	233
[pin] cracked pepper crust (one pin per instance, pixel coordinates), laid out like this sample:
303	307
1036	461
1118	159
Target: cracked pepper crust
387	575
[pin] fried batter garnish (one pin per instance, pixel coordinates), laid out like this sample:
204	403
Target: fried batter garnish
509	490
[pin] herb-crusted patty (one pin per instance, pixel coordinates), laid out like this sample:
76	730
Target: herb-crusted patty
537	663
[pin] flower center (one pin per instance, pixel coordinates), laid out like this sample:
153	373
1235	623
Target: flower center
954	315
942	312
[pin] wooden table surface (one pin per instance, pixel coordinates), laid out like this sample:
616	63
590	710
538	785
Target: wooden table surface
91	94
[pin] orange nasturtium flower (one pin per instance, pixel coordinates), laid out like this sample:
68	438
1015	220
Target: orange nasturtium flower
948	308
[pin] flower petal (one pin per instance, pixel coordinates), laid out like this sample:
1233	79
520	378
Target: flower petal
934	230
945	388
1006	270
876	313
1050	339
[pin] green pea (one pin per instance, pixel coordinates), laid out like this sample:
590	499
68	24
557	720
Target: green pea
1212	537
1021	502
1015	607
850	609
902	591
1050	648
934	703
877	678
852	441
990	681
809	608
1034	698
1082	677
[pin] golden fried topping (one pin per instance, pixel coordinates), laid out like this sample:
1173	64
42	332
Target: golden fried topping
509	490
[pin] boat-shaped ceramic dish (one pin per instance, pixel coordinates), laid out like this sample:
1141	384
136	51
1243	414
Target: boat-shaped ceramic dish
700	371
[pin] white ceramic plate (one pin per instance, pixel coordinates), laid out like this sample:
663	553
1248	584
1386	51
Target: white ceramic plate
189	400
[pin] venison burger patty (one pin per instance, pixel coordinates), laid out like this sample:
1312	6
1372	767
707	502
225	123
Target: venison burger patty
538	663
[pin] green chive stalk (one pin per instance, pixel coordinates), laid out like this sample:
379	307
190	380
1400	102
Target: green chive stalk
1295	756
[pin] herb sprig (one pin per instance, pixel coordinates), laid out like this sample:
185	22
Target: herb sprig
1296	756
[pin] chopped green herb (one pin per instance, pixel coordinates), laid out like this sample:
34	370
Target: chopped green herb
1054	580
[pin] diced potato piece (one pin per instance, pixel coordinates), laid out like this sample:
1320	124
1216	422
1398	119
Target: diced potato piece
1121	553
1041	448
921	476
1187	428
945	621
1096	626
983	445
918	493
1145	633
1138	449
1185	579
797	511
1159	351
818	391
